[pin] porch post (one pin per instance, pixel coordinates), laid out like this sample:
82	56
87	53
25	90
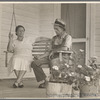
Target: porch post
0	30
90	30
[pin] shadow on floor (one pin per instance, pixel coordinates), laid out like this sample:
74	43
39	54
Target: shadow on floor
30	90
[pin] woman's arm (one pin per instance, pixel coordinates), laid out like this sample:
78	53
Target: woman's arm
10	43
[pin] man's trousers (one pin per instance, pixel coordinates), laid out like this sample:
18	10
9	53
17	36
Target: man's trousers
38	71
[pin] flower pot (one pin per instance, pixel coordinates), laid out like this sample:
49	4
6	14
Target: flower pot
75	93
89	91
58	90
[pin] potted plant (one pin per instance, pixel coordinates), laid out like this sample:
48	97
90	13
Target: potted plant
75	78
63	79
89	83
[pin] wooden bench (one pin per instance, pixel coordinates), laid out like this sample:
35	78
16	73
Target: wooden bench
40	47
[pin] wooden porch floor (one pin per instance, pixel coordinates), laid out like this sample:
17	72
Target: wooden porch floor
30	90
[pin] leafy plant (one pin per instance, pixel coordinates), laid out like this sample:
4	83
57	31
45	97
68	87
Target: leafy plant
75	72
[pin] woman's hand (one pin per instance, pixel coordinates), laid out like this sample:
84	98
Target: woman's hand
10	36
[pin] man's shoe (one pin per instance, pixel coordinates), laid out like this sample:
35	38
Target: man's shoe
21	86
42	85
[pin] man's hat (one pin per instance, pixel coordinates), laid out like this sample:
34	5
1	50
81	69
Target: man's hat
60	23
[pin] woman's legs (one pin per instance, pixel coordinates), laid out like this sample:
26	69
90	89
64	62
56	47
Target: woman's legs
19	74
16	73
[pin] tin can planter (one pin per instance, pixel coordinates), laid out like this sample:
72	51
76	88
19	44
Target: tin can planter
58	90
88	91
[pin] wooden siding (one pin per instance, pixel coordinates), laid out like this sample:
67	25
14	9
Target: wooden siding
0	33
97	31
47	18
37	20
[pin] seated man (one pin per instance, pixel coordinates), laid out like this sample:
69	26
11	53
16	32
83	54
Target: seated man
61	41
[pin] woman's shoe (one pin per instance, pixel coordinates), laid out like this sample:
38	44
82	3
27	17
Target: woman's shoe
20	85
15	85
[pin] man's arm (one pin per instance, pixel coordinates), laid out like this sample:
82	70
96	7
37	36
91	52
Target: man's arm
68	43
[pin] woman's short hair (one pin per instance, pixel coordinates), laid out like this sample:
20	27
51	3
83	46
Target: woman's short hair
17	27
60	23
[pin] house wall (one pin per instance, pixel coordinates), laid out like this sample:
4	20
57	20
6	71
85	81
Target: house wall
0	32
37	20
48	14
95	30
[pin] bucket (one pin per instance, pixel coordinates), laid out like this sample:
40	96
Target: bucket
58	90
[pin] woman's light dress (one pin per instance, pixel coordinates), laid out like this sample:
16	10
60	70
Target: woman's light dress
22	56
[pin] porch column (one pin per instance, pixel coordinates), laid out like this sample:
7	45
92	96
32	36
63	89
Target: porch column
0	30
90	29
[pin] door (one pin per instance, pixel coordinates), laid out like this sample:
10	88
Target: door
75	17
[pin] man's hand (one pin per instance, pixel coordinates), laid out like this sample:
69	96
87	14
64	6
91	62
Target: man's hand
38	57
51	54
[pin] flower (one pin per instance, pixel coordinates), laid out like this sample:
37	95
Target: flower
67	65
66	76
55	67
89	66
87	78
92	77
81	50
70	74
79	66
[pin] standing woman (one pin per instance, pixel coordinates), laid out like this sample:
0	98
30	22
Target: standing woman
22	55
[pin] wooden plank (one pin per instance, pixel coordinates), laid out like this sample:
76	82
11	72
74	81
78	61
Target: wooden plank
37	53
79	40
39	50
97	25
47	27
97	43
98	53
29	8
40	45
97	31
22	13
97	49
97	37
